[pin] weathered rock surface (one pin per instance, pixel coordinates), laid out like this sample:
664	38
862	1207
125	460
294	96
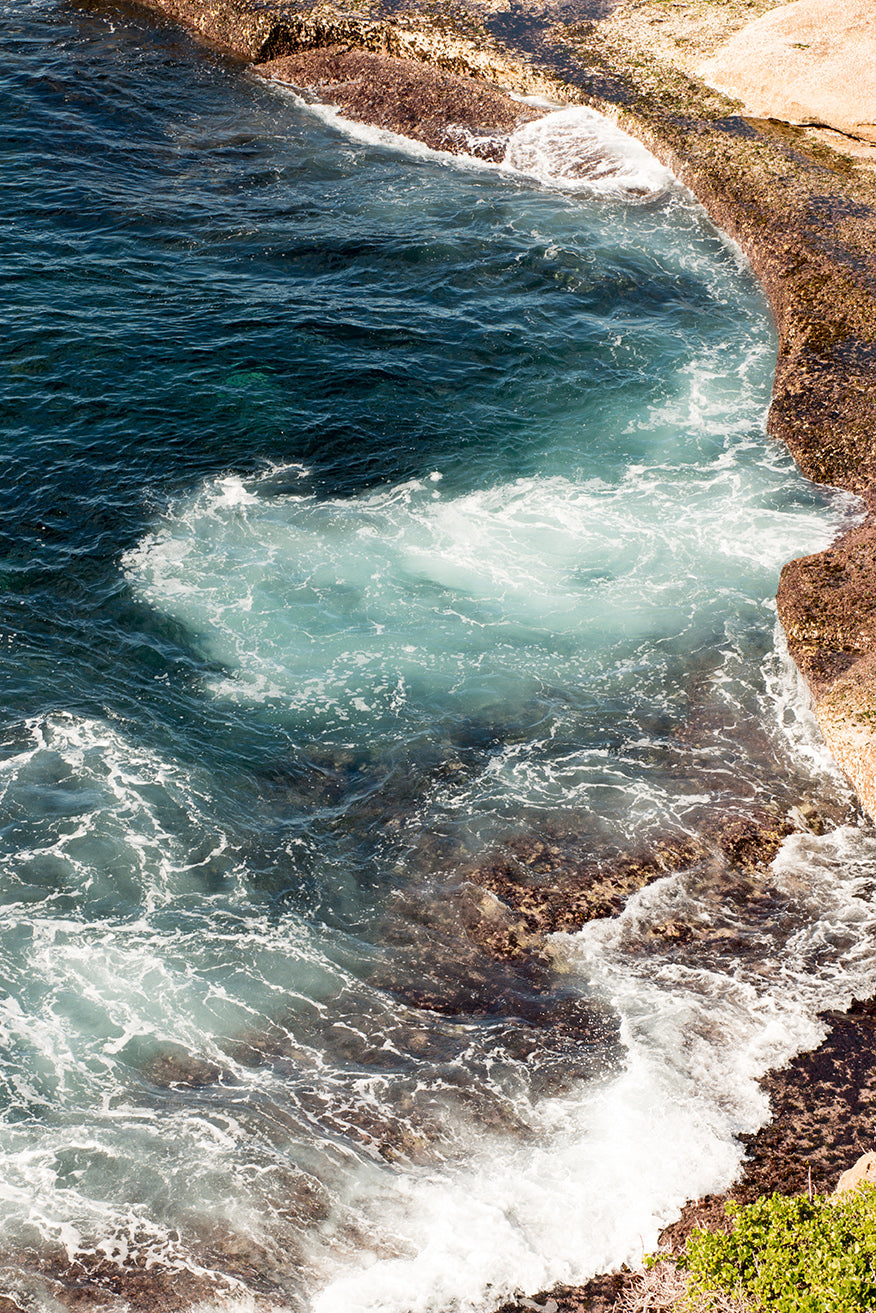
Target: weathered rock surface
261	30
598	1295
847	719
813	61
532	889
546	892
822	1120
445	111
863	1172
827	606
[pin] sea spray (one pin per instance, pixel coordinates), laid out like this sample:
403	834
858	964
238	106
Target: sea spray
581	150
370	518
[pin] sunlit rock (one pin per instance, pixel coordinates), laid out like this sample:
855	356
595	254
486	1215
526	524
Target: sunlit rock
809	62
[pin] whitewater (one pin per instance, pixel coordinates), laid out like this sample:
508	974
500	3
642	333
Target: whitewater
370	516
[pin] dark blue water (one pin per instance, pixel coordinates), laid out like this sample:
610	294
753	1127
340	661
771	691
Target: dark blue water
367	514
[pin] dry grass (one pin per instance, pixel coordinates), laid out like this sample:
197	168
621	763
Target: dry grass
663	1289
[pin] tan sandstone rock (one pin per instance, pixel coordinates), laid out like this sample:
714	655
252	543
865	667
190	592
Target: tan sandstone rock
863	1172
846	716
813	61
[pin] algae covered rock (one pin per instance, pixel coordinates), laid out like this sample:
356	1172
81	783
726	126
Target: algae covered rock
441	109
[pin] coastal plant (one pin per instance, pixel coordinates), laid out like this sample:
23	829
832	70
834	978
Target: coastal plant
787	1255
663	1288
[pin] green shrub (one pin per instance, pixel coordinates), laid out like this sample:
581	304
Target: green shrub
790	1255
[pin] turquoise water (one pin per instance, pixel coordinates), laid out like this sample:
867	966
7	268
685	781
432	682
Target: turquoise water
369	514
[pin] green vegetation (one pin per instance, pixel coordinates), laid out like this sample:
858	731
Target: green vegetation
789	1255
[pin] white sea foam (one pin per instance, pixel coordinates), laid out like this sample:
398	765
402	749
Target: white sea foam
612	1164
372	616
305	599
589	1193
414	603
572	149
128	931
579	149
370	135
788	706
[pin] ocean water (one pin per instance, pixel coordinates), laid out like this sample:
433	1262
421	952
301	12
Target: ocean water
370	518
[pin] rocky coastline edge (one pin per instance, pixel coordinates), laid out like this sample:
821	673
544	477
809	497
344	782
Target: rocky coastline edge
801	203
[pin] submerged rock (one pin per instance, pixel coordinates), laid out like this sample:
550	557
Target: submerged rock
39	1278
171	1066
546	891
751	842
535	888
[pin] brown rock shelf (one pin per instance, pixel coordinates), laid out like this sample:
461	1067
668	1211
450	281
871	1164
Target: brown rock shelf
445	111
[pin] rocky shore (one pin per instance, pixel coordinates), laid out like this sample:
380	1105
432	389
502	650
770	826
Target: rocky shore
800	199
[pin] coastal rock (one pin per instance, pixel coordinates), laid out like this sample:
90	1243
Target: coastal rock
44	1278
750	842
171	1066
847	718
813	61
822	1111
546	890
260	31
827	606
442	110
863	1172
822	1106
706	1214
598	1295
534	888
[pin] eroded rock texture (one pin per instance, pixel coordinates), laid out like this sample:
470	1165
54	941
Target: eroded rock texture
445	111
